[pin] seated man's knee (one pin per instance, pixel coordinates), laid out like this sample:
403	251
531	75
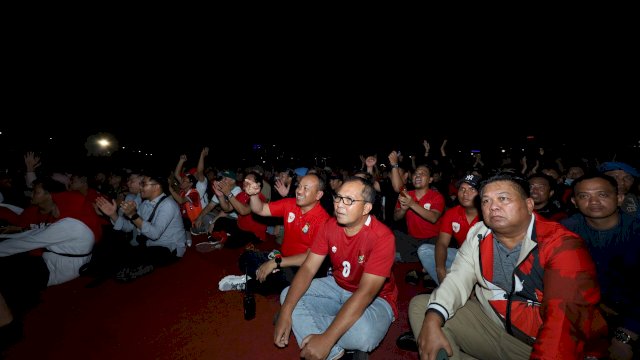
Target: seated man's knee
363	341
427	251
418	304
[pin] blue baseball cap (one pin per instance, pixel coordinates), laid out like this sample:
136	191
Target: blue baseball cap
615	165
301	171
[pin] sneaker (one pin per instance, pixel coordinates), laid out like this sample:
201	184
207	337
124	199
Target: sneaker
233	282
407	342
130	274
198	231
10	334
208	246
429	283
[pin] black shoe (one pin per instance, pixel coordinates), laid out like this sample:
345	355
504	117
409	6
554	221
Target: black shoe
355	355
10	334
429	283
86	269
407	342
412	277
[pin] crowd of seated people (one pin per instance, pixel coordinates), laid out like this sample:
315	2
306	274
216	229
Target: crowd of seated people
61	224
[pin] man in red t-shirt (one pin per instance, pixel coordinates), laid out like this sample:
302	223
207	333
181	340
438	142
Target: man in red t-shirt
456	222
303	216
421	208
353	309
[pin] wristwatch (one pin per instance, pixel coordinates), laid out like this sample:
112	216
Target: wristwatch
278	260
132	218
624	338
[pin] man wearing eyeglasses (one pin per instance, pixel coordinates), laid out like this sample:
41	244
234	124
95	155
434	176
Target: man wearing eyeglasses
353	309
158	220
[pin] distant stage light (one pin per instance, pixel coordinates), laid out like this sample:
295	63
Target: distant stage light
101	144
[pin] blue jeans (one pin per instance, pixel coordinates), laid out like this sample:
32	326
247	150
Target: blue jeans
319	306
427	256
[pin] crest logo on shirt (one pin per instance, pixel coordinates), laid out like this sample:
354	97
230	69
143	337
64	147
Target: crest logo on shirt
427	206
455	226
360	259
334	249
305	228
291	217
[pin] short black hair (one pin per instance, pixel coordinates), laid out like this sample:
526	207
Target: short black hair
368	193
50	185
257	176
160	179
594	175
521	184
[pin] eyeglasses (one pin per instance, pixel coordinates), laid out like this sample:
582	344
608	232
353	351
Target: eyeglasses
345	200
148	183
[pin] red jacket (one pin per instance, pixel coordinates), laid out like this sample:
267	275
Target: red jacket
552	305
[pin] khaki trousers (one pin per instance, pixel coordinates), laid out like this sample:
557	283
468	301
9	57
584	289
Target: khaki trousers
471	333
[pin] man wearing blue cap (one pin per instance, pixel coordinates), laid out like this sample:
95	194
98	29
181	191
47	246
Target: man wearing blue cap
625	175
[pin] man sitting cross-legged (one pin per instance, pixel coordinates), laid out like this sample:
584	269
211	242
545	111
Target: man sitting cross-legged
353	309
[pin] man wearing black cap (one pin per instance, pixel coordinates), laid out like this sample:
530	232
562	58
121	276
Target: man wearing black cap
437	259
456	222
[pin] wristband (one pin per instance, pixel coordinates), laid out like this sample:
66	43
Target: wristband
132	218
395	166
624	338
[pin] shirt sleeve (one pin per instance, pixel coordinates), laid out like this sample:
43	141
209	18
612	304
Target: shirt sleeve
447	219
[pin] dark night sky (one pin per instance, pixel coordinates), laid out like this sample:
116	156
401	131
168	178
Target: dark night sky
305	143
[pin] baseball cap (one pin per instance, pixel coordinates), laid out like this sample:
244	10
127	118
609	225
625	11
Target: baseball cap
228	173
473	180
301	171
615	165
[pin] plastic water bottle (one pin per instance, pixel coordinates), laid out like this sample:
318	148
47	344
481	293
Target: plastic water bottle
249	301
249	306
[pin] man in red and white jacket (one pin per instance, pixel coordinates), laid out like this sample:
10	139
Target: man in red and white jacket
536	292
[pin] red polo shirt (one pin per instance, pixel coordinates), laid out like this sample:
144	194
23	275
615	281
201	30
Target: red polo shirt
299	229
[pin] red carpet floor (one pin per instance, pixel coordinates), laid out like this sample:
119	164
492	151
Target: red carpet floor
176	312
